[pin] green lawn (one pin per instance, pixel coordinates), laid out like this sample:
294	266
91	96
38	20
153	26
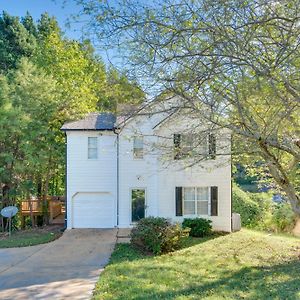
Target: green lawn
242	265
29	237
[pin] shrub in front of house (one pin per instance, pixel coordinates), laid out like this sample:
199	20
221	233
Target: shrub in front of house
243	204
199	227
157	235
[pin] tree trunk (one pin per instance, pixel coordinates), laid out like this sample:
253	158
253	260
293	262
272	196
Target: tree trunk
39	186
296	229
281	178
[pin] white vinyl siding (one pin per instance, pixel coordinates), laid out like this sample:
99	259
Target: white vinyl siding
91	181
138	147
196	201
157	172
92	148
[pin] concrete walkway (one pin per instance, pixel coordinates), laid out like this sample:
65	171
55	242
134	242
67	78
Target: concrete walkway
67	268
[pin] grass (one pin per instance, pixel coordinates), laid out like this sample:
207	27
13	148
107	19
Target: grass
29	237
242	265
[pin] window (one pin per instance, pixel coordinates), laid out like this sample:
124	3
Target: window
196	200
92	148
183	145
138	204
187	145
202	201
138	147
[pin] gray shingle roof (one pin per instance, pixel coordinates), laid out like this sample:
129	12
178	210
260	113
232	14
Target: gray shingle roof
93	121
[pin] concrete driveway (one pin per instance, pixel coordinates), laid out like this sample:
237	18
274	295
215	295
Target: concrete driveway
67	268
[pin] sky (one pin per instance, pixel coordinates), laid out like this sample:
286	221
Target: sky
60	9
37	7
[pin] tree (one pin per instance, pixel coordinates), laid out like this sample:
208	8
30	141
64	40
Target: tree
85	84
234	63
10	123
29	24
47	25
81	78
120	91
27	141
15	42
46	80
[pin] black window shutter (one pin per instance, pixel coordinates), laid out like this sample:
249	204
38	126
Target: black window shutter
178	200
177	142
212	149
213	200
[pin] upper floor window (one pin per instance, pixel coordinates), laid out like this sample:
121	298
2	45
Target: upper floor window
92	148
138	147
186	145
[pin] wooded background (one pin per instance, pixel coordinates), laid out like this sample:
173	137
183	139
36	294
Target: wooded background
47	79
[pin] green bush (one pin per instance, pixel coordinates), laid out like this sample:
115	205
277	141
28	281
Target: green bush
283	218
258	211
157	235
264	200
273	217
199	227
248	209
266	207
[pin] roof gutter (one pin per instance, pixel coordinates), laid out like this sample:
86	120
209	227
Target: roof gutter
115	130
85	129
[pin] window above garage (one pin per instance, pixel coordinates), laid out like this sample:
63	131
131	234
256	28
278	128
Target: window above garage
92	148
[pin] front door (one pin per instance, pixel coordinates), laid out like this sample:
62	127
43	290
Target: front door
138	199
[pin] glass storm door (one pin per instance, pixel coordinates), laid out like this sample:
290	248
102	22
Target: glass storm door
138	200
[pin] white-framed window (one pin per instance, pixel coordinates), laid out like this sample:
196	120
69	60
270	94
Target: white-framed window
187	145
138	147
92	147
196	200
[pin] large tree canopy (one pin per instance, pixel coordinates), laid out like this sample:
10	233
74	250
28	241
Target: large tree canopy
239	58
15	42
45	80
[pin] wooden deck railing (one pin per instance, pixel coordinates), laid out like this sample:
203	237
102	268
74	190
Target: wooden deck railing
35	207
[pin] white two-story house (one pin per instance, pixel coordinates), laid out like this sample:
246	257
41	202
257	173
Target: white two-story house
161	161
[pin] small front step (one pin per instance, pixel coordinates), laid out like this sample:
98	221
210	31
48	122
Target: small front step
123	236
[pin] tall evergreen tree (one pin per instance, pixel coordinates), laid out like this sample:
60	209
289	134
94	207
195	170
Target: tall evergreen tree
46	79
29	24
15	42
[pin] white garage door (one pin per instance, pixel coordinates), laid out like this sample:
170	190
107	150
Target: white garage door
93	210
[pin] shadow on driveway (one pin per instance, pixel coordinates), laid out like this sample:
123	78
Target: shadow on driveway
67	268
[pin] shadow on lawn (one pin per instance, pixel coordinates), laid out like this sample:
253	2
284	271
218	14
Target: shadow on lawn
193	241
280	281
127	252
